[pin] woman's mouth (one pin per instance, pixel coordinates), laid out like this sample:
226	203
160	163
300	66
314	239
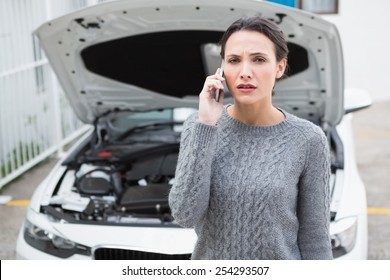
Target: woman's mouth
246	87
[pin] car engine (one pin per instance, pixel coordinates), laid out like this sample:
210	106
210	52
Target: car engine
125	183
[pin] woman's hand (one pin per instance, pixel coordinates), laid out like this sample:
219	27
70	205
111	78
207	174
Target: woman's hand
210	110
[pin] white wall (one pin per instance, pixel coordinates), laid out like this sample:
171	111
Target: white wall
364	27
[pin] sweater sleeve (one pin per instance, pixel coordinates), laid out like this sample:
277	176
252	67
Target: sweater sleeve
189	195
314	201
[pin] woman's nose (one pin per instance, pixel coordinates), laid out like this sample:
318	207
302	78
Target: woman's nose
246	76
245	71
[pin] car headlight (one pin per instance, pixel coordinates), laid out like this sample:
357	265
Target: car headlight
344	236
52	244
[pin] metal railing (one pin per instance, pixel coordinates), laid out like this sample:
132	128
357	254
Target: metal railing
36	119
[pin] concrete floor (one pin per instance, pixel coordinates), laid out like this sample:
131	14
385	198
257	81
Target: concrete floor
372	142
11	217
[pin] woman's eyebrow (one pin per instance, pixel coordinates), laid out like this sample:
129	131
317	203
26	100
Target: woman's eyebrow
232	55
251	54
259	53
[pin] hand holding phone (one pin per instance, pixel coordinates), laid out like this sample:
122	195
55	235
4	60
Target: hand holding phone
217	92
210	100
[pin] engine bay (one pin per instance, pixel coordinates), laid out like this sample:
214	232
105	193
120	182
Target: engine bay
118	183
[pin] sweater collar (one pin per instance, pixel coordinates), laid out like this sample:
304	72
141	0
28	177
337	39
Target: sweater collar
239	126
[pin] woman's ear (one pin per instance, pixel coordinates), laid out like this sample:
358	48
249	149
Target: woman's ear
281	67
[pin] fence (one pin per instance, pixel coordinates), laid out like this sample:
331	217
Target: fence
36	120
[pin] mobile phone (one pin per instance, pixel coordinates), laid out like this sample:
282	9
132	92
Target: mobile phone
217	92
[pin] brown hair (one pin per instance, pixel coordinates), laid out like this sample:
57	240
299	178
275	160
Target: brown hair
261	25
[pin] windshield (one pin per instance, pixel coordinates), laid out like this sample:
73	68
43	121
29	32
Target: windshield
128	121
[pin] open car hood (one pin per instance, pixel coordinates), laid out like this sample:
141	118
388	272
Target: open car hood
142	55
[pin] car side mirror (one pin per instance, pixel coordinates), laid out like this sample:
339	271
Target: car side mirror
355	100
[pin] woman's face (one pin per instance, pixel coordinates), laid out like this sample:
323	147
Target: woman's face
250	66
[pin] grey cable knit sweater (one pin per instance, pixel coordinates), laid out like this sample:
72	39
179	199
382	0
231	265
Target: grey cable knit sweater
254	192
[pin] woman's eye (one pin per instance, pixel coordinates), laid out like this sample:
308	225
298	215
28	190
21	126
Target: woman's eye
233	60
259	59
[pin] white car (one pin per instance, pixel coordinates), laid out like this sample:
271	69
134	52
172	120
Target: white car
133	71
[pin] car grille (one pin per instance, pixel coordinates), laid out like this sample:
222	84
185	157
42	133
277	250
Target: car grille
122	254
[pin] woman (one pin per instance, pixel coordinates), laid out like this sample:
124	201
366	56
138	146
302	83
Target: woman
251	178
